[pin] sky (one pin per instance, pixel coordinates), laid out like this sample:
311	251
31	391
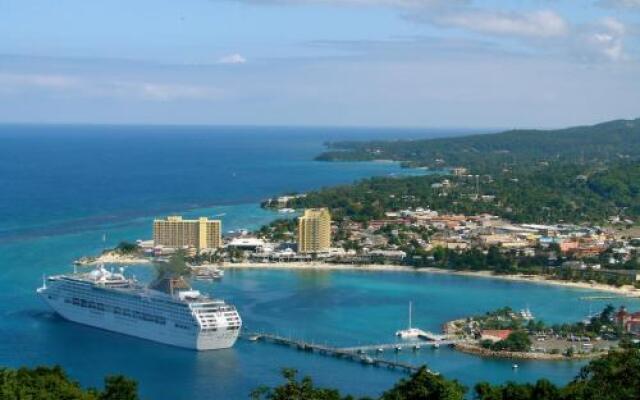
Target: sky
379	63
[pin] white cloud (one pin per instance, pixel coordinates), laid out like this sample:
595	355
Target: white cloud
544	24
154	91
90	87
606	39
232	59
13	80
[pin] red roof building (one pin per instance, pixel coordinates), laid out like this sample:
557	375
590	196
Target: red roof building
495	335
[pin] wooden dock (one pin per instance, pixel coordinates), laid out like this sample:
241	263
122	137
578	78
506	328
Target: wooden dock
399	346
356	354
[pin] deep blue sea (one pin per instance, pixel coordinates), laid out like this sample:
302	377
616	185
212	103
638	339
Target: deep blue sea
63	187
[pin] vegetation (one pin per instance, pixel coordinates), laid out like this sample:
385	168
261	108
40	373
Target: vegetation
293	389
126	248
615	376
604	142
44	383
421	386
171	275
573	175
516	341
176	267
599	325
281	229
549	192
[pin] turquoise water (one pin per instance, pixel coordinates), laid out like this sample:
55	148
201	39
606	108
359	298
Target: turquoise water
61	191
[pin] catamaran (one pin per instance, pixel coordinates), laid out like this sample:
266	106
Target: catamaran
409	332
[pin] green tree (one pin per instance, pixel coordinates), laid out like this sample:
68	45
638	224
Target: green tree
118	387
516	341
614	377
126	248
52	383
424	385
295	390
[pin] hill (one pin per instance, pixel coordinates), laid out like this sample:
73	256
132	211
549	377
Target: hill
605	142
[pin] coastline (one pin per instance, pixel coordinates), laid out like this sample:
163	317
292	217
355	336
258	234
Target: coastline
623	291
515	355
114	258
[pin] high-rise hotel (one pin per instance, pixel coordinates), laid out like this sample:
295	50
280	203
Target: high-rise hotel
314	231
176	232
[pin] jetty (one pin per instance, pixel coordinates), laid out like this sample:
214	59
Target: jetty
399	346
358	354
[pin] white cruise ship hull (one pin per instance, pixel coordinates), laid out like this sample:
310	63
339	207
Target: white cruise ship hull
190	336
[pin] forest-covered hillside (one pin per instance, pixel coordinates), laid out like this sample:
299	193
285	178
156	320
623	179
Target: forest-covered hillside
608	141
580	174
545	193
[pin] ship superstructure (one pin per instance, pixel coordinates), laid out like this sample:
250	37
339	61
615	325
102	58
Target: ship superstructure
178	316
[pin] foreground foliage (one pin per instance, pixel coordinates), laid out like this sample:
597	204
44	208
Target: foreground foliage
44	383
612	377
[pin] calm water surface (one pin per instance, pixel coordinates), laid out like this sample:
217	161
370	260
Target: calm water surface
62	188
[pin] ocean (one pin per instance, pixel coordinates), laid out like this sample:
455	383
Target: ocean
64	187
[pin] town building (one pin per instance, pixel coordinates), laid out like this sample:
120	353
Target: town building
495	335
314	231
630	322
175	232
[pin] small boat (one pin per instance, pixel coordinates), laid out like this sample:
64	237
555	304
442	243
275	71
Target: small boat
526	314
207	272
380	350
409	332
514	366
367	360
436	345
398	348
254	338
416	347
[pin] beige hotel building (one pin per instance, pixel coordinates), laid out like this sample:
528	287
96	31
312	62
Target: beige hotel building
176	232
314	231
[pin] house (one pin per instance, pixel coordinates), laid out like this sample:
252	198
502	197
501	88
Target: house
630	321
495	335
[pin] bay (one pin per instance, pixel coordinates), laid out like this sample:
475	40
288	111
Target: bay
64	187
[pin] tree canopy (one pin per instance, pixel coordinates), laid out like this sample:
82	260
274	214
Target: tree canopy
52	383
615	376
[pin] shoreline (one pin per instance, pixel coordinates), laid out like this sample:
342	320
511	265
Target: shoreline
113	258
624	291
516	355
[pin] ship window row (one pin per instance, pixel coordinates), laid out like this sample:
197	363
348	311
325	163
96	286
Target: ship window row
123	296
173	313
117	310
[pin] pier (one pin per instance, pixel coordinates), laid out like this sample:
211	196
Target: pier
356	354
399	346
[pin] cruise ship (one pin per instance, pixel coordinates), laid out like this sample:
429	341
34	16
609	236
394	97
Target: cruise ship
168	311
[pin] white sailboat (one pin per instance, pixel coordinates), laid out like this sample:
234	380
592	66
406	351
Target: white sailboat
409	332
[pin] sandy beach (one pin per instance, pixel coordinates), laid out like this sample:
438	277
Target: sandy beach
115	258
624	291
